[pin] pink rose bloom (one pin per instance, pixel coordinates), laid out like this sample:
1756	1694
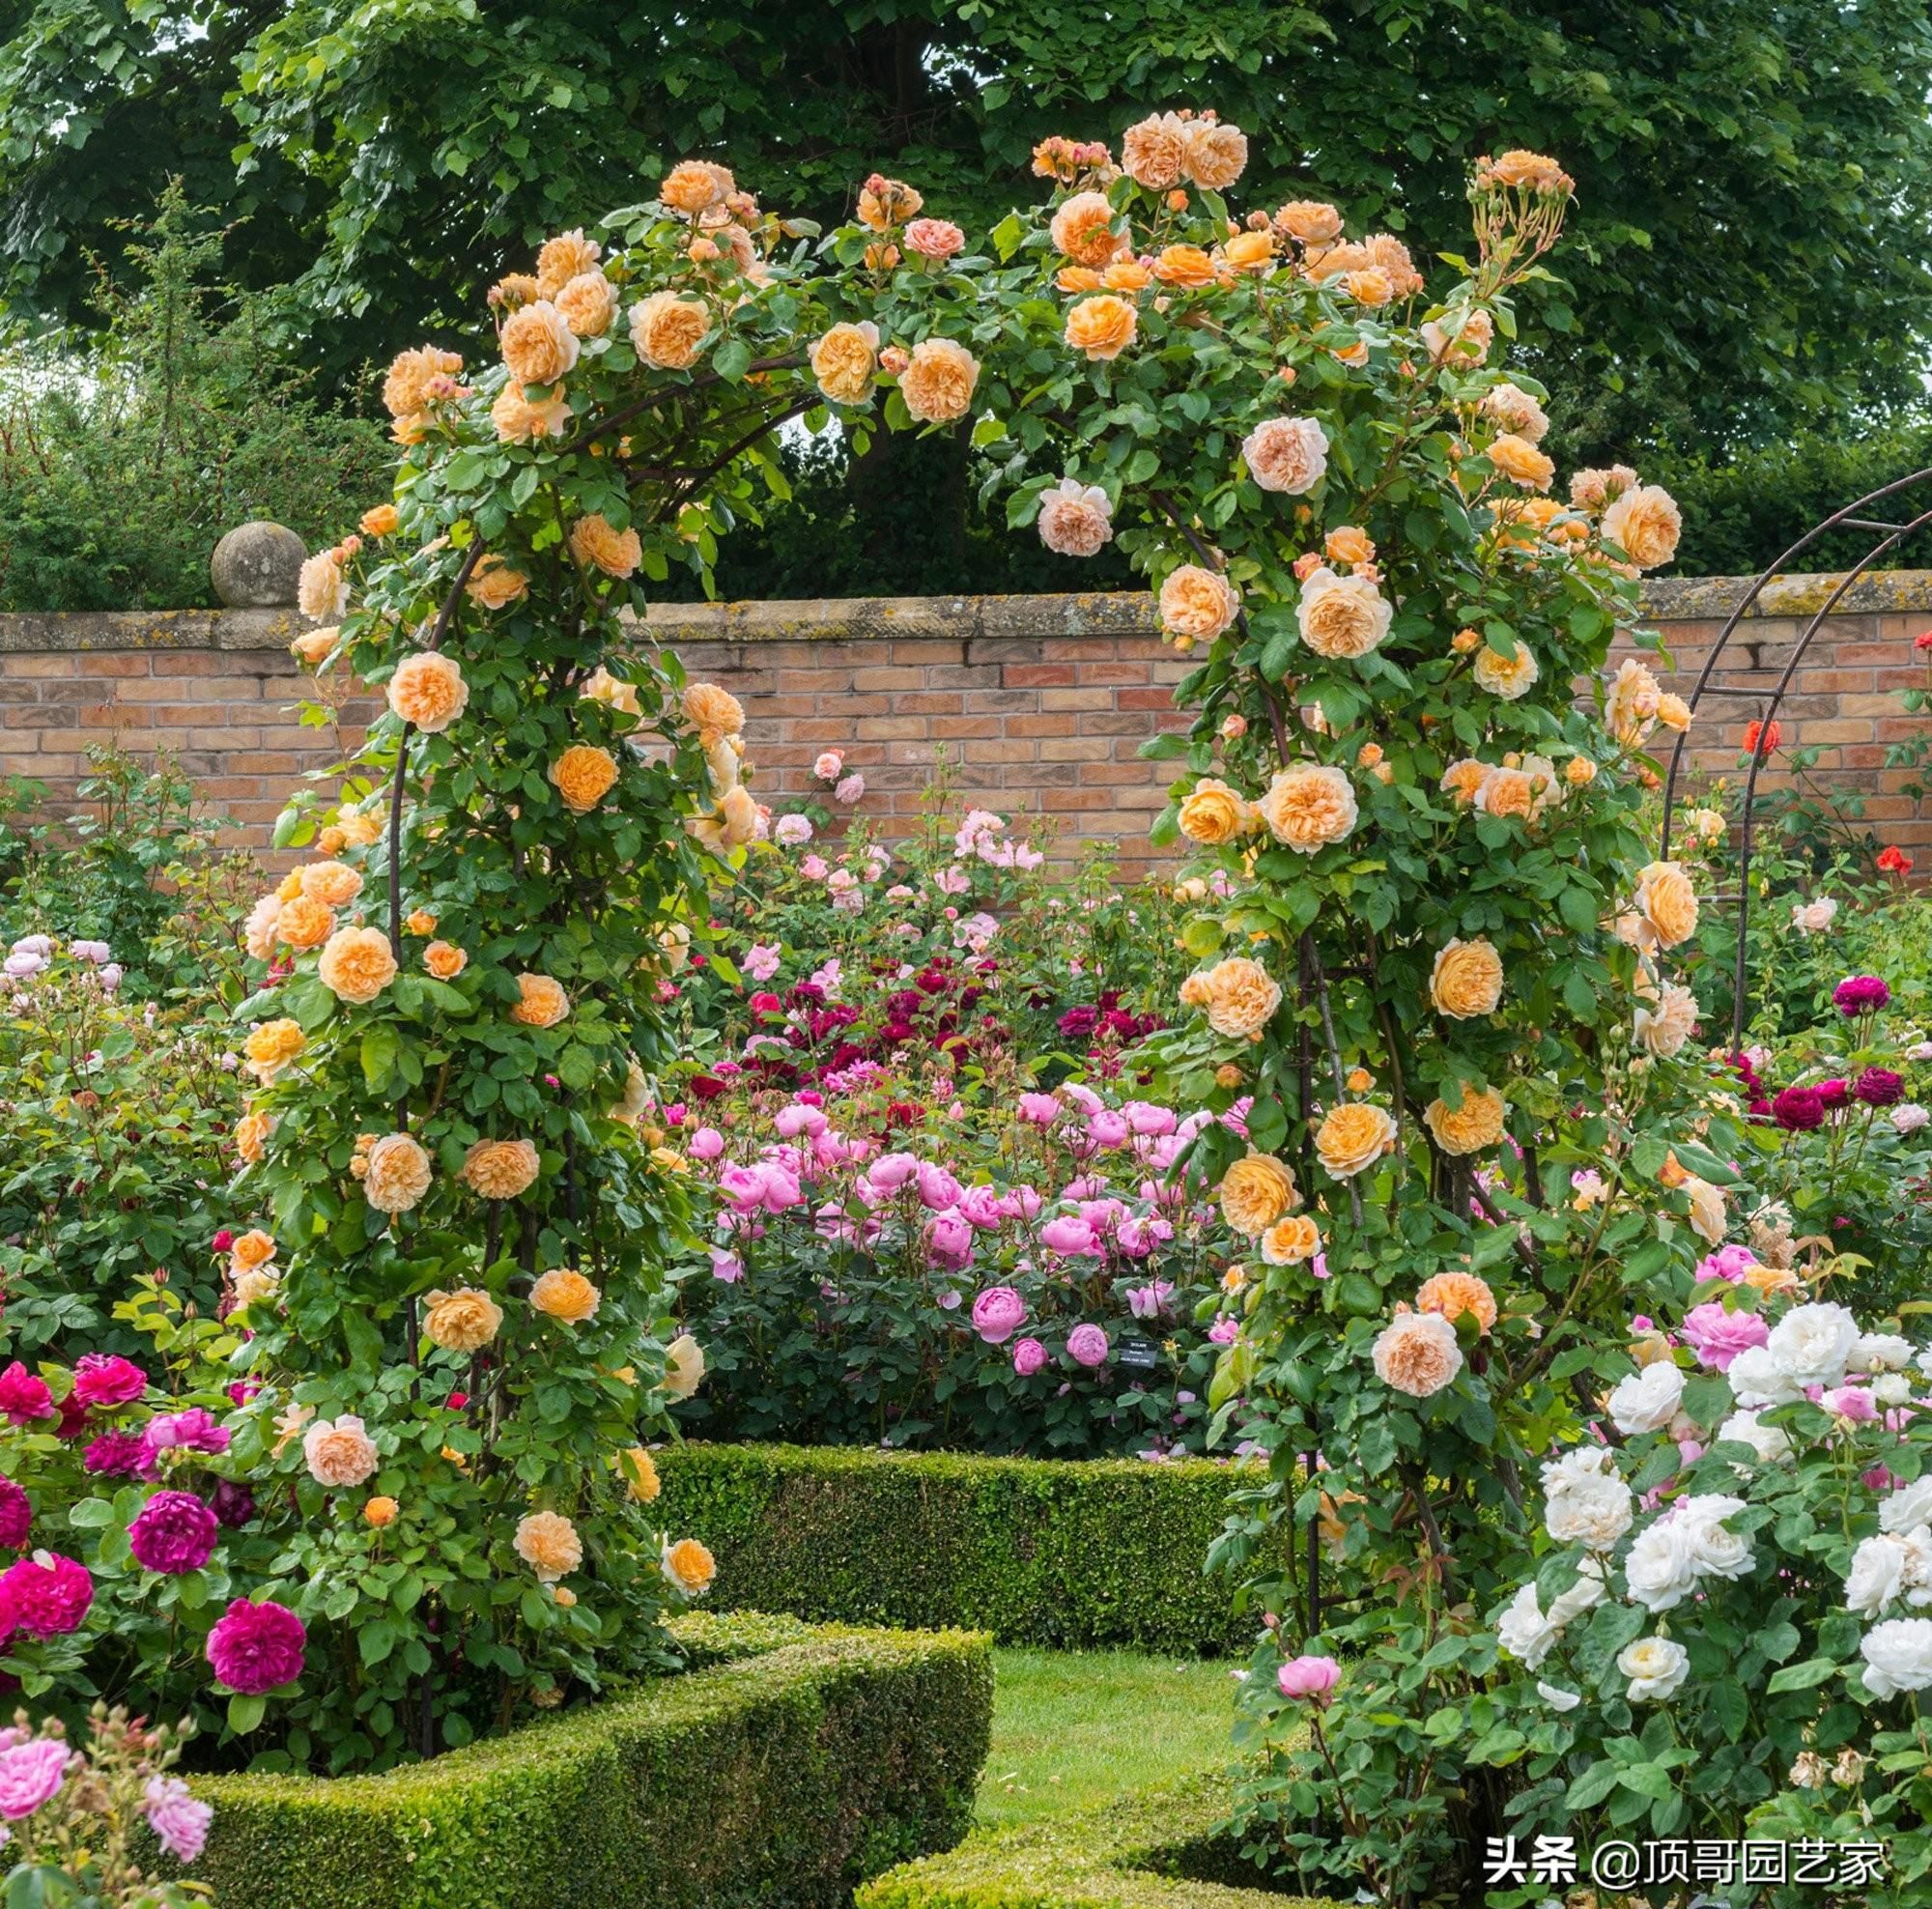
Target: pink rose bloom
937	1188
1728	1263
814	867
24	1396
850	787
781	1189
1020	1202
744	1186
954	880
30	1774
1084	1098
890	1171
1149	1301
104	1380
827	766
179	1822
1317	1266
1041	1109
1717	1336
1852	1402
792	831
949	1239
1225	1330
998	1314
980	1206
727	1267
706	1142
1147	1119
762	959
1109	1129
1029	1356
1309	1679
1087	1344
795	1120
1070	1235
45	1595
934	238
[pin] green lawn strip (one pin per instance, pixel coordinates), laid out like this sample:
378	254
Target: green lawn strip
1074	1729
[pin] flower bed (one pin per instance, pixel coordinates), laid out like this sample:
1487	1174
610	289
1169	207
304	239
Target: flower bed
798	1763
1075	1556
1157	1850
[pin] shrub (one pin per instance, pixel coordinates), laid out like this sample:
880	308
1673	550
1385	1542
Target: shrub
1160	1849
798	1763
1072	1556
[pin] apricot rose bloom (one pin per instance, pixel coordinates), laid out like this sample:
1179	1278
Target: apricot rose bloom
1249	251
1197	603
584	776
322	591
1308	805
1290	1241
1521	463
396	1175
1240	996
519	421
667	331
640	1472
253	1249
1075	519
714	713
547	1543
251	1137
690	1567
567	256
1454	1293
1082	229
1185	265
538	345
544	1002
566	1295
845	360
1667	901
1349	544
445	959
1506	676
356	965
1212	814
1313	222
598	545
1467	981
1644	524
1212	155
379	1512
339	1452
1101	327
938	382
1341	618
694	185
1352	1137
1478	1122
1152	151
500	1169
589	303
684	1366
493	584
406	388
272	1046
1256	1191
465	1321
1288	455
1417	1353
428	690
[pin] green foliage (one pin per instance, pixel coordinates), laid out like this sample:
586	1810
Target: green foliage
798	1763
1074	1555
127	450
1753	181
1161	1849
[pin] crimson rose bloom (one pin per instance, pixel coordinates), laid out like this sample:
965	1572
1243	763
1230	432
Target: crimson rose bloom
44	1600
1879	1087
257	1647
16	1516
102	1378
1798	1110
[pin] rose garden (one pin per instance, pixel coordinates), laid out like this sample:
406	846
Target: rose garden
575	1328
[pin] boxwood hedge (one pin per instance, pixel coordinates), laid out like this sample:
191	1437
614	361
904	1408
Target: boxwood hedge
1153	1850
797	1762
1074	1555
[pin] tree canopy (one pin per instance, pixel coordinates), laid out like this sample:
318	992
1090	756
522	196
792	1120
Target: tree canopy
1751	246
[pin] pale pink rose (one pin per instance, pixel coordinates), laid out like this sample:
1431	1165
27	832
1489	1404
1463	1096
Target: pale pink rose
1075	519
829	766
850	787
934	238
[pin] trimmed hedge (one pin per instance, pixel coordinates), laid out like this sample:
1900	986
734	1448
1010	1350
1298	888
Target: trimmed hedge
799	1762
1153	1850
1070	1555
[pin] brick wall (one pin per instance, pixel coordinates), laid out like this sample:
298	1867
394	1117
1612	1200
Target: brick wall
1038	704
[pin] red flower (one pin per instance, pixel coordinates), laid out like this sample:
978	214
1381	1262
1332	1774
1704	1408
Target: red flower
1922	640
1893	861
1772	736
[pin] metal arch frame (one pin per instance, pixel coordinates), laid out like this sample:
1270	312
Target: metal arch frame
1849	518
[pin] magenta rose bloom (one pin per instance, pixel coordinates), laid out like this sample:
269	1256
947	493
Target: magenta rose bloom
174	1531
1879	1087
1717	1336
1029	1356
998	1314
1798	1110
1860	994
30	1774
192	1431
16	1516
117	1455
1309	1679
257	1647
24	1396
102	1379
1088	1344
46	1599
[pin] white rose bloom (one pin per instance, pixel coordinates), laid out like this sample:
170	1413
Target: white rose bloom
1908	1117
1657	1667
1766	1441
1908	1507
1716	1551
1877	1576
1881	1352
1525	1632
1660	1567
1918	1547
1813	917
1811	1343
1898	1655
1756	1382
1647	1401
1585	1502
1585	1594
1892	1389
1558	1700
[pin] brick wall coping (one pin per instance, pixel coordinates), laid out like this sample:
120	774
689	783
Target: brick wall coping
846	620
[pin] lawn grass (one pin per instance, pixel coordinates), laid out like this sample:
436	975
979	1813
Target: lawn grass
1074	1728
